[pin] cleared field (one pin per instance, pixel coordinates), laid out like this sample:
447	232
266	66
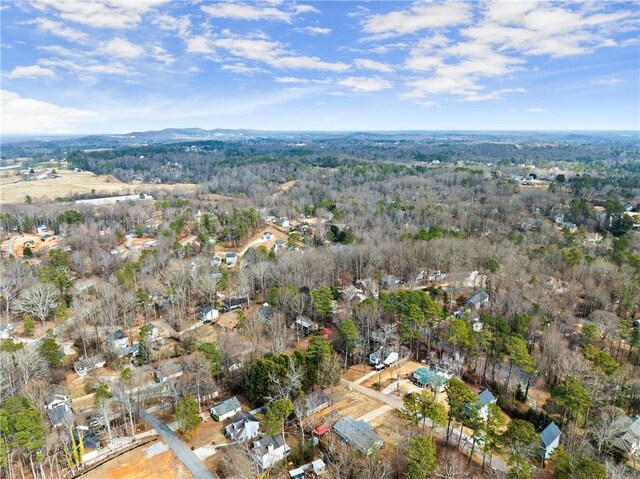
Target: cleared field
153	461
66	183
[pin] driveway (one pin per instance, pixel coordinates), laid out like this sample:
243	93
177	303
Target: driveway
180	449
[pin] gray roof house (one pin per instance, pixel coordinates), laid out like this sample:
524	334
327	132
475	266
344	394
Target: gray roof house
118	339
478	299
208	314
83	366
243	426
169	371
359	434
269	450
627	435
485	397
226	409
317	401
60	415
549	440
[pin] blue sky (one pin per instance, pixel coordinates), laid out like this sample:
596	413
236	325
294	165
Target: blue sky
107	66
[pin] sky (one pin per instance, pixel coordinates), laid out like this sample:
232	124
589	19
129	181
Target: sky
115	66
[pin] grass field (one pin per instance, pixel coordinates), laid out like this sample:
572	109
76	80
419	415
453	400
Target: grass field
67	183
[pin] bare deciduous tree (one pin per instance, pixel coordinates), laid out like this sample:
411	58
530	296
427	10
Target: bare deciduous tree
39	300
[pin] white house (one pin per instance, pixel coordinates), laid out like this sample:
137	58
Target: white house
231	259
41	229
6	331
226	409
209	314
484	399
169	371
243	426
270	450
85	365
549	440
267	236
118	339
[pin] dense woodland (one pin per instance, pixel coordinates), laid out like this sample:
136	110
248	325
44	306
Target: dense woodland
560	338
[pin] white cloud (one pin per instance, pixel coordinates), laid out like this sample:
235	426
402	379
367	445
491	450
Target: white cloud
498	44
198	44
59	29
296	80
607	81
298	9
314	30
243	11
33	71
26	115
241	68
419	17
290	80
100	13
535	110
121	48
365	84
268	52
367	64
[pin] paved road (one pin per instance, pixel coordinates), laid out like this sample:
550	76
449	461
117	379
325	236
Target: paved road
186	455
396	403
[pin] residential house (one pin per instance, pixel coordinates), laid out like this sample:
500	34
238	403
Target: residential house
132	351
231	259
56	395
369	286
243	426
208	314
154	332
226	409
306	325
280	244
283	222
627	436
390	281
316	402
60	416
478	300
549	440
312	469
572	227
118	339
628	207
434	378
90	442
6	331
169	371
270	450
265	314
238	303
41	229
216	261
85	365
267	236
484	399
359	434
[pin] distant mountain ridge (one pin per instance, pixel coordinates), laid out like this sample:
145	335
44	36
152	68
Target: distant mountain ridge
186	135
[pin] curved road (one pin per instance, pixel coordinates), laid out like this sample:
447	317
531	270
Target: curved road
186	455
